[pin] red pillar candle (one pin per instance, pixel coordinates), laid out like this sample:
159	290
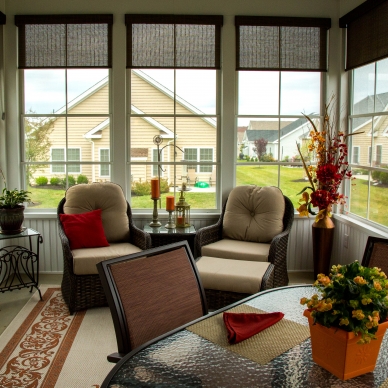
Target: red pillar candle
155	192
170	206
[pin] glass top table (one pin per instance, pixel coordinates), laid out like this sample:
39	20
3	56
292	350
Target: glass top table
184	359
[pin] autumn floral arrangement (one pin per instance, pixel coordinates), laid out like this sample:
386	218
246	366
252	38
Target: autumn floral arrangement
325	178
353	298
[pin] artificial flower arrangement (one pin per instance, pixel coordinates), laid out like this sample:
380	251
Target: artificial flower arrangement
353	298
331	168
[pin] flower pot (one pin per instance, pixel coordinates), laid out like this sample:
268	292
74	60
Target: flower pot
338	352
11	220
323	235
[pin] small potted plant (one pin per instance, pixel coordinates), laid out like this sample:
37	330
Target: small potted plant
12	209
348	319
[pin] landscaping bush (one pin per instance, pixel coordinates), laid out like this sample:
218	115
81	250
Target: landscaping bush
41	181
71	180
384	178
141	188
82	179
164	187
376	175
55	181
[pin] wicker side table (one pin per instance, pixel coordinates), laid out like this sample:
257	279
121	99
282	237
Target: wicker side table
162	236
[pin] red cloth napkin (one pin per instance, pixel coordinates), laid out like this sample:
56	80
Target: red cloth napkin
241	326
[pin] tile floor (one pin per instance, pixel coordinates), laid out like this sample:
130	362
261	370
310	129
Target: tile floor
12	302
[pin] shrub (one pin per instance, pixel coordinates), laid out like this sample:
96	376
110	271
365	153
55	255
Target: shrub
70	179
41	181
141	188
82	179
384	178
164	187
267	158
55	181
376	175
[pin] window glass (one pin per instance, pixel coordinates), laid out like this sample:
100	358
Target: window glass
271	124
369	157
66	119
173	113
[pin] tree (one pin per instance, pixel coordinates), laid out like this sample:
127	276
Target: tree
260	147
37	143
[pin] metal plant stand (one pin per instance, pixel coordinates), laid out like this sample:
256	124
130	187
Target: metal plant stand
19	266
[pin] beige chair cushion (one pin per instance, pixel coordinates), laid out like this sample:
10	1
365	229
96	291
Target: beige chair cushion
231	275
85	259
108	197
237	250
254	214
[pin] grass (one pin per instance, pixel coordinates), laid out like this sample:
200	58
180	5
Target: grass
291	183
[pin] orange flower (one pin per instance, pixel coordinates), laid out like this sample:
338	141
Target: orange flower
377	285
358	314
359	280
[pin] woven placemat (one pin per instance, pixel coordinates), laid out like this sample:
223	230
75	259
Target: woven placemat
262	347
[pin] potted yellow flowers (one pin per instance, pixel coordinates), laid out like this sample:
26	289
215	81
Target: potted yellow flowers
348	319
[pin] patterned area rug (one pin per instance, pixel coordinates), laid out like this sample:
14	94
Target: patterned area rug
46	347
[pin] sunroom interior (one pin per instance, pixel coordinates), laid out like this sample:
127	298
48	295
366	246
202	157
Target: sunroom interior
238	100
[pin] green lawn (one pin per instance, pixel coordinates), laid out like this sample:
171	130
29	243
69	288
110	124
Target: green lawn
291	182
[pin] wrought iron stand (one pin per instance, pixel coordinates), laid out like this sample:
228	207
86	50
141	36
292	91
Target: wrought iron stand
19	266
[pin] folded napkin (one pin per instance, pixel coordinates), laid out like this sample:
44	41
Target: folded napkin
241	326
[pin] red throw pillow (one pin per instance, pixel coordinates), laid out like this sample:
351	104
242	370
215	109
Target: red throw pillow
84	230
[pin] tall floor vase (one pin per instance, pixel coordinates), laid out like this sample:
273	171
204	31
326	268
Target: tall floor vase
323	235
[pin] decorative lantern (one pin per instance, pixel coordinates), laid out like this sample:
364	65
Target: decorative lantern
182	212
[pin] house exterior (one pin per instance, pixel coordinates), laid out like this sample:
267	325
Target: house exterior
89	137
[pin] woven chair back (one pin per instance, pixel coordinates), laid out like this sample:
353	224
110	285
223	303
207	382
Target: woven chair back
376	253
151	293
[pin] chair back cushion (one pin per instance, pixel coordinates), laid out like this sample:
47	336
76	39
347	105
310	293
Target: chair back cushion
254	214
108	197
158	293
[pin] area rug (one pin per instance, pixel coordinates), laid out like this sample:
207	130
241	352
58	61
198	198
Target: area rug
46	347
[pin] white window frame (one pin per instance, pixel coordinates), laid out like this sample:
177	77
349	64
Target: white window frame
66	160
104	165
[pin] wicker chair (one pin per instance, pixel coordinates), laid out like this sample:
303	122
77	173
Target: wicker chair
81	288
276	250
376	253
151	293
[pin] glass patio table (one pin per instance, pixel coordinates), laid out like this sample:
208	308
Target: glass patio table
184	359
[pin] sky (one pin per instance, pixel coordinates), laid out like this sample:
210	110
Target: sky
258	91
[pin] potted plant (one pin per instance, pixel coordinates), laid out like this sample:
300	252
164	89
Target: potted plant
12	209
348	319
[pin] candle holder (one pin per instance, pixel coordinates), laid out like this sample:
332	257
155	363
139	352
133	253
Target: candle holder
155	221
170	223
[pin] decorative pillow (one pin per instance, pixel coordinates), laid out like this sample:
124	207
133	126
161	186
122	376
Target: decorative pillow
84	230
254	214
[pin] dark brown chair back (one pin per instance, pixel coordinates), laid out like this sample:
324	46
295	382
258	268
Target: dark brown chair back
151	293
376	253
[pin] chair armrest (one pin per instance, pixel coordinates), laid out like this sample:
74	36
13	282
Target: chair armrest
139	238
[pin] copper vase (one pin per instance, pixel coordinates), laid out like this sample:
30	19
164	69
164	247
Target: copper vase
323	235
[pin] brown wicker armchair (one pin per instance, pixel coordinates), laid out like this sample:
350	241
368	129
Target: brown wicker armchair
81	285
275	251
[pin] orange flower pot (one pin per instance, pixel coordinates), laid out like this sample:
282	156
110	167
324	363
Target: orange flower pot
338	352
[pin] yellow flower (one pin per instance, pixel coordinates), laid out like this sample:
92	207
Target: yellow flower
344	321
377	285
359	280
325	280
303	211
358	314
303	301
366	301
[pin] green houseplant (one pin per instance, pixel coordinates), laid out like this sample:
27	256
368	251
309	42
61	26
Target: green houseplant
12	208
349	317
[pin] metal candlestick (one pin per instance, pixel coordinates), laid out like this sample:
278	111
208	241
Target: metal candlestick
155	221
170	223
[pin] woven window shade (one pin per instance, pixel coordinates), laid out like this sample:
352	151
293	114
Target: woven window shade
65	41
2	18
173	41
276	43
367	33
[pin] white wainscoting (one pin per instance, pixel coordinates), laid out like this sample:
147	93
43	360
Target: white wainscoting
299	247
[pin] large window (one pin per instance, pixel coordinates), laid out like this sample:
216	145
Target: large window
173	64
280	63
369	126
66	108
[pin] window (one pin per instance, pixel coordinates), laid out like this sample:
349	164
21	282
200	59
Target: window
173	63
58	155
199	155
367	63
66	99
280	63
356	155
104	157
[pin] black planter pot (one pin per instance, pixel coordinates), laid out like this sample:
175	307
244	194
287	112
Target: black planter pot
11	220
